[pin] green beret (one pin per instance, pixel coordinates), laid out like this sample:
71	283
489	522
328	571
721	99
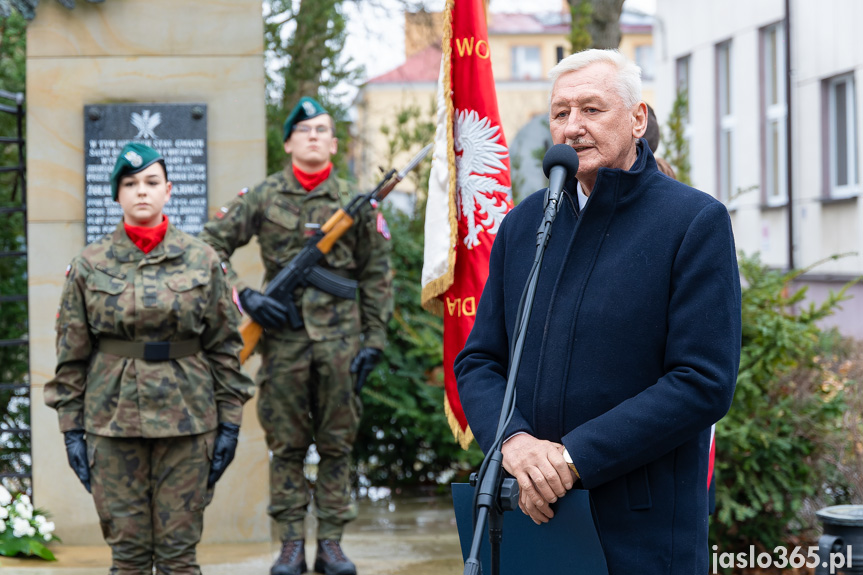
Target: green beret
134	158
306	109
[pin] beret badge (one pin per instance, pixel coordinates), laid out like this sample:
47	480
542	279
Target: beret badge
134	159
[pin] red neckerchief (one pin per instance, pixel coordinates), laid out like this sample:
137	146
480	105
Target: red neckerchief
147	238
311	181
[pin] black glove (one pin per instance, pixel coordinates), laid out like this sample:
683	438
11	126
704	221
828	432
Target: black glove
223	452
264	310
76	451
364	363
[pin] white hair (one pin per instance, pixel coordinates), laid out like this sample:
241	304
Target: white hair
628	74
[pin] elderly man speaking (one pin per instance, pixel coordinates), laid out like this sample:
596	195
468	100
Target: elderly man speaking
634	341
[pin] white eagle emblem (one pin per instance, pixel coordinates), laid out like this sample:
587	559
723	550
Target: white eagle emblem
481	156
134	159
146	123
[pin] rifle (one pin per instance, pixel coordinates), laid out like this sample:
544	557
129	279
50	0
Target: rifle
303	269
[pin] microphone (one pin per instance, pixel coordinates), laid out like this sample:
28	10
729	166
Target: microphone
559	164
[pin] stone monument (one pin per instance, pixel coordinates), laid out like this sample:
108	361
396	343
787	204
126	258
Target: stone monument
81	66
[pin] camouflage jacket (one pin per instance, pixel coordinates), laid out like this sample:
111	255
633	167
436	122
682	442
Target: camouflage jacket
283	215
179	291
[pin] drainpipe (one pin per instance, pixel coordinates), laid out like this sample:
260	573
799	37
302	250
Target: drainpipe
788	133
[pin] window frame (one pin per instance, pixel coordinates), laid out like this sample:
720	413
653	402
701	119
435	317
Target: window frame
683	83
852	188
513	59
725	123
650	74
774	113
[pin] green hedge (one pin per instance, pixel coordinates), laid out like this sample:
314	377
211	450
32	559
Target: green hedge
774	448
404	438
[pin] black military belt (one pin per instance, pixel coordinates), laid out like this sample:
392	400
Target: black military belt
150	350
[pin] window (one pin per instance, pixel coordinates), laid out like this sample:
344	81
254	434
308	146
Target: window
559	53
682	68
682	85
725	122
842	136
526	63
774	112
645	61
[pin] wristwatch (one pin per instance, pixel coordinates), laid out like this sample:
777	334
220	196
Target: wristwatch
568	458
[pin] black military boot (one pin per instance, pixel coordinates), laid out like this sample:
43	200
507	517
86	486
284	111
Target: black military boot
292	559
331	560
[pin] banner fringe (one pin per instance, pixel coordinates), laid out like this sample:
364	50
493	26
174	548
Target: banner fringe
463	437
450	153
435	288
438	286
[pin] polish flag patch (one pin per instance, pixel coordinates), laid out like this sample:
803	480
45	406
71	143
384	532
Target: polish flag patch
235	297
382	226
68	269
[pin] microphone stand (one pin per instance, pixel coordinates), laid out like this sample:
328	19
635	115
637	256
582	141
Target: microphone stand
495	495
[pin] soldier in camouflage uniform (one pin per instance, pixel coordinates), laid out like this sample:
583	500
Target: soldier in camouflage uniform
310	377
148	385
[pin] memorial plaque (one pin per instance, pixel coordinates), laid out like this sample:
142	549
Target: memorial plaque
177	131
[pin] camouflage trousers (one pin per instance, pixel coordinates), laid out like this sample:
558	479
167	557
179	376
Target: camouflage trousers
307	396
150	495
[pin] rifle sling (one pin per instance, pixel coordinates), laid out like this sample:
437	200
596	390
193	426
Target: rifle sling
331	283
150	350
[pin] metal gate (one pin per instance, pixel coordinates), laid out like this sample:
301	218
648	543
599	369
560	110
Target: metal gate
15	456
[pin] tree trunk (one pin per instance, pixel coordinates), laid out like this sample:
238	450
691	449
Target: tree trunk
307	50
604	25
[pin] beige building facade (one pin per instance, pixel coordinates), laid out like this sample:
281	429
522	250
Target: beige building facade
524	48
125	51
739	65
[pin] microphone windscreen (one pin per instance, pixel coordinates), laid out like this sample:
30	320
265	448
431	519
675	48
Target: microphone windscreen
561	155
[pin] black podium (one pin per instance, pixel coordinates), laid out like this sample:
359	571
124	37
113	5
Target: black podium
566	544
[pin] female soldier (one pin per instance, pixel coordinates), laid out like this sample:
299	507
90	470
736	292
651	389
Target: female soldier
148	385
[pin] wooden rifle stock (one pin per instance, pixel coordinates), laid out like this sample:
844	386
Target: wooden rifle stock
251	333
336	226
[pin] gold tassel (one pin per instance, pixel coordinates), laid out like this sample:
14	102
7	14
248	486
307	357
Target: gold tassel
464	438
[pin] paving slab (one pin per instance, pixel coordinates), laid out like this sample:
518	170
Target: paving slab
410	536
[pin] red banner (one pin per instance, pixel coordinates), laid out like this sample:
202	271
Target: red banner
469	188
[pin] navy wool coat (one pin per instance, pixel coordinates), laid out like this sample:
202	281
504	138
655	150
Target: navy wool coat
631	354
